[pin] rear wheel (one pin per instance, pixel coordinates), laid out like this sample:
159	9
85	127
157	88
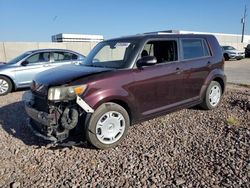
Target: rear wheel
5	85
107	126
213	96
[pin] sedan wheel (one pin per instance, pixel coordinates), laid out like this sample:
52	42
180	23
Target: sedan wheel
5	85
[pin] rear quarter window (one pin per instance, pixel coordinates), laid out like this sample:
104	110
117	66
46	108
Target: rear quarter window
194	48
64	56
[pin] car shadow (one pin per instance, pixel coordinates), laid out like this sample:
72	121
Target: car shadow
14	121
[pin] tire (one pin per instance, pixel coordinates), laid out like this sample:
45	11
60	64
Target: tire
5	85
210	102
107	126
226	56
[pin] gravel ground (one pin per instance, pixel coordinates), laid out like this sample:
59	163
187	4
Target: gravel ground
188	148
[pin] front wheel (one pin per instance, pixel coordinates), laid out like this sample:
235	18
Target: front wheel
5	85
107	126
213	96
226	56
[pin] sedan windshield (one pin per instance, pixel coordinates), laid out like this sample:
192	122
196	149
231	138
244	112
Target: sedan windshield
111	54
228	48
19	58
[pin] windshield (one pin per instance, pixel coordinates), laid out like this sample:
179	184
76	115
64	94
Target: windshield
111	54
19	58
228	48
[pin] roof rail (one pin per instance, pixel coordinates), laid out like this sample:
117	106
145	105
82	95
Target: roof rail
163	32
157	33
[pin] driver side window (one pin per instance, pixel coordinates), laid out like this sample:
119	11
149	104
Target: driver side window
164	51
39	57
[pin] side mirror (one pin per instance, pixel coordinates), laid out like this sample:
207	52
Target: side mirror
24	63
146	61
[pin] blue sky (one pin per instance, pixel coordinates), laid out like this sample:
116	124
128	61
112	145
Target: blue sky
37	20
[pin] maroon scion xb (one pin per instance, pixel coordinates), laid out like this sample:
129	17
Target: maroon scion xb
125	81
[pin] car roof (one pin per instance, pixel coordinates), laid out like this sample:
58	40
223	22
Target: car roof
54	49
160	35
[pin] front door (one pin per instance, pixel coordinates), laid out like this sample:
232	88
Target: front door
159	87
34	64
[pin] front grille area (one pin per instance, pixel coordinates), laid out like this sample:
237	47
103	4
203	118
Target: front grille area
40	102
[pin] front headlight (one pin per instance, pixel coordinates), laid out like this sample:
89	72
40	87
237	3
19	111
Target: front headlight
63	93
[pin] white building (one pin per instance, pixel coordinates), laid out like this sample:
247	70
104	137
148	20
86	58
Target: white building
63	37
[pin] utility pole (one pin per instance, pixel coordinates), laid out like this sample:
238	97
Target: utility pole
243	21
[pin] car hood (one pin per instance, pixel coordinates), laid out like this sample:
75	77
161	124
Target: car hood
2	65
66	73
234	51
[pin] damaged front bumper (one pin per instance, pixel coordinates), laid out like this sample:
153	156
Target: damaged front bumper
59	121
40	123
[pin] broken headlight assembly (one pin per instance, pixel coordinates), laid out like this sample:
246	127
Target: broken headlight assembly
65	93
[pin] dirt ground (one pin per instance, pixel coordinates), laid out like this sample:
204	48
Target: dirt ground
188	148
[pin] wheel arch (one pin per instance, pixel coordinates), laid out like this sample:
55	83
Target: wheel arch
119	96
124	105
221	82
215	75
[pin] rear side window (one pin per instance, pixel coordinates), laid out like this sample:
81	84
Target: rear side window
64	56
69	56
194	48
58	56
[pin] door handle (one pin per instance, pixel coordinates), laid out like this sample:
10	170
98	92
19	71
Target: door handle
178	70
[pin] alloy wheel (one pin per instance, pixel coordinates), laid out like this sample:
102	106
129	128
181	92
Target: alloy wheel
4	86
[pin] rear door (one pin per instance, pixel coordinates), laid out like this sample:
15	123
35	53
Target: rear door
64	58
196	59
36	63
